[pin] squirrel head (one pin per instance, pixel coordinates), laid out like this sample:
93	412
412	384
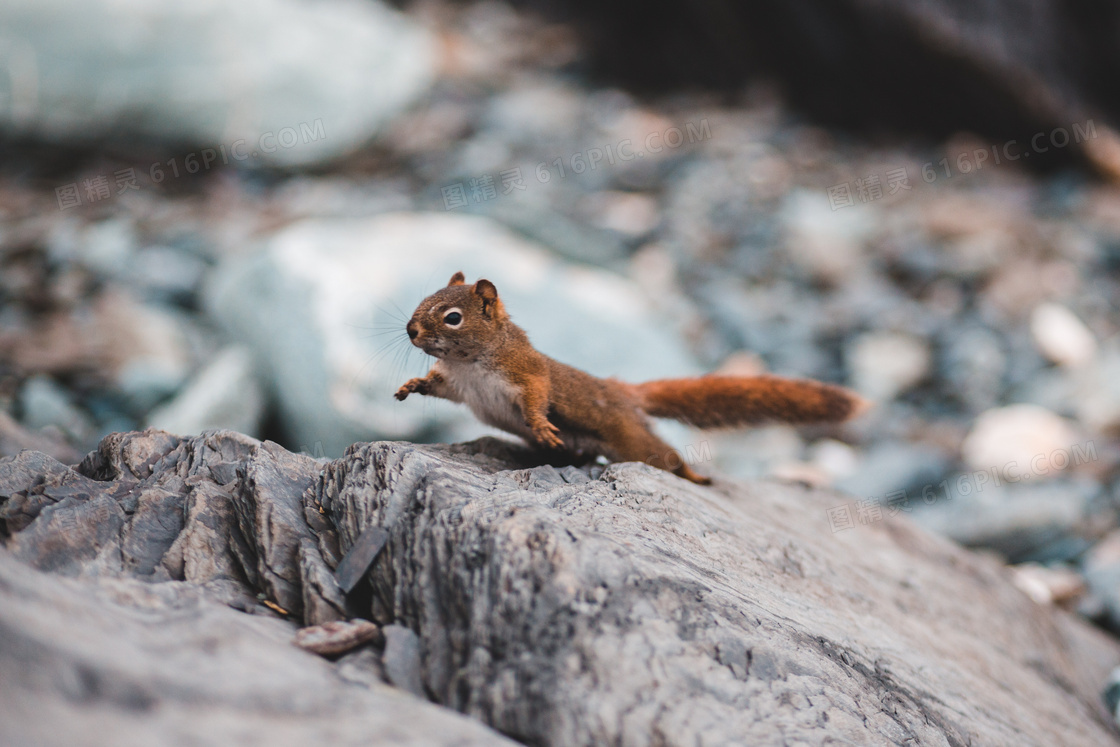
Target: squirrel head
459	322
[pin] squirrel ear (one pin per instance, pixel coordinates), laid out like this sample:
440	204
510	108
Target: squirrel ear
457	279
487	292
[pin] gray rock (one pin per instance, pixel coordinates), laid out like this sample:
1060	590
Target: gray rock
775	321
892	466
1111	694
535	114
1102	573
751	453
265	81
1021	521
571	239
402	659
1021	439
168	273
78	665
560	607
107	247
1061	336
14	438
974	364
148	348
885	364
44	403
1096	397
1052	388
324	304
223	395
363	551
826	243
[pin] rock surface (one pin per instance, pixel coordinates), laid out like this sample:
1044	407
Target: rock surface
557	605
124	663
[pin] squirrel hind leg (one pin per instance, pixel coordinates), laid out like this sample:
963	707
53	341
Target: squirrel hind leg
636	443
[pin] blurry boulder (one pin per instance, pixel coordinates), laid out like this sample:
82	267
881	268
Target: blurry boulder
323	307
885	364
224	395
44	402
141	351
974	364
1102	573
278	82
148	348
535	113
1096	391
1061	336
744	453
827	244
14	438
895	468
1042	522
1023	440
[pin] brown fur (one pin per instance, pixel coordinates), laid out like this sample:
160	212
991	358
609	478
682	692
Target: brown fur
487	362
723	401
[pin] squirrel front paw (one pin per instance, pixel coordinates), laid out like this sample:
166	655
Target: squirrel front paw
418	386
548	435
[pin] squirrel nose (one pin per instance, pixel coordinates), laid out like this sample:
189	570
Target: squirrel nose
412	331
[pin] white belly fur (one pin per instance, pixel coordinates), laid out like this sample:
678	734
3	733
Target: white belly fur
492	399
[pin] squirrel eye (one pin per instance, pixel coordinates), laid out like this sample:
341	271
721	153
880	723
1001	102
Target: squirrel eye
454	319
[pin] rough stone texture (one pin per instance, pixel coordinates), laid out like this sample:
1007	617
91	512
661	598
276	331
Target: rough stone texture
122	663
558	606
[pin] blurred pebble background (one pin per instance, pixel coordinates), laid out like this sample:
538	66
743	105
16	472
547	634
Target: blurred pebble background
221	216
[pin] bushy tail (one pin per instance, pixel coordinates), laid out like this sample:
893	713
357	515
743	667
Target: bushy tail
727	401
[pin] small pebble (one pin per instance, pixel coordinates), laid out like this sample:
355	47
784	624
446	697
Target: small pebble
333	638
1061	336
1044	585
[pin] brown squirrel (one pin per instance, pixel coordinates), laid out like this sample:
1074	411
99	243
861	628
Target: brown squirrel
487	362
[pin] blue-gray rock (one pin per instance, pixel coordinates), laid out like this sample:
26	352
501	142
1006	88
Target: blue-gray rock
224	395
255	82
973	363
44	402
402	659
1042	522
893	466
